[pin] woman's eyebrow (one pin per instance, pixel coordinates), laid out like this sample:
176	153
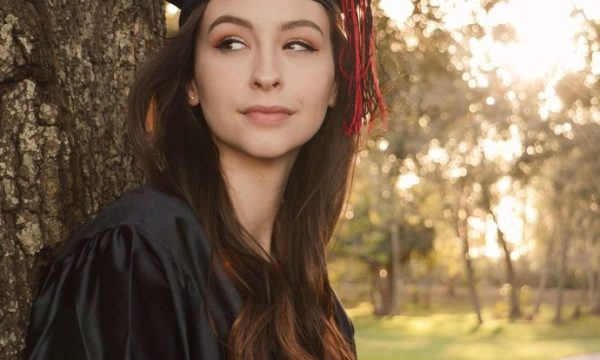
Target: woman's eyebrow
245	23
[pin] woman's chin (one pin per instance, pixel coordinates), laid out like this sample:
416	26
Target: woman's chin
272	153
265	150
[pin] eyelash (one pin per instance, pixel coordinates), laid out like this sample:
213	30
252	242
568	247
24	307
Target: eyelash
221	45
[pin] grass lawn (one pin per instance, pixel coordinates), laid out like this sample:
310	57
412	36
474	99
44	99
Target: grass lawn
450	333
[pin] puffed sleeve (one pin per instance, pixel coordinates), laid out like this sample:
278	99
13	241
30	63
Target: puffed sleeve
110	298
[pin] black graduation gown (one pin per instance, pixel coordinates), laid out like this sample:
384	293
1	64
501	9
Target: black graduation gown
130	284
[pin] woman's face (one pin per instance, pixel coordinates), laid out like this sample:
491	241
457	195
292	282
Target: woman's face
253	54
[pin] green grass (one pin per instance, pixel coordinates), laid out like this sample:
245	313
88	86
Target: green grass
451	334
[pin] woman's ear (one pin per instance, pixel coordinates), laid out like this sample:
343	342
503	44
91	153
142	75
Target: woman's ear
333	96
192	93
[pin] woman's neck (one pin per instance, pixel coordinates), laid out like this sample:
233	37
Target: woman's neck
255	187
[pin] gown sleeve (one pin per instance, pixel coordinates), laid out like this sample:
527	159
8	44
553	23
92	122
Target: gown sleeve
109	298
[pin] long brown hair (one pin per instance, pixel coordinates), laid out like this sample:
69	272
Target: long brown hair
288	303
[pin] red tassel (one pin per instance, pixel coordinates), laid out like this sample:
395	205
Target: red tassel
364	85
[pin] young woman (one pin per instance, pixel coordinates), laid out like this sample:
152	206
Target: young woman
246	124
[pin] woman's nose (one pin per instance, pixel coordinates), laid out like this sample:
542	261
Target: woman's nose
266	73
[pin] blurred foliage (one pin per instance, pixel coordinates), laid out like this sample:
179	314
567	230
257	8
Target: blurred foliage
462	141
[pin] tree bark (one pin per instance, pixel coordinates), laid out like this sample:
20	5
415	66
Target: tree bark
65	72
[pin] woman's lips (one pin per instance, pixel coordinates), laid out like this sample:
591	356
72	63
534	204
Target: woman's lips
267	118
267	115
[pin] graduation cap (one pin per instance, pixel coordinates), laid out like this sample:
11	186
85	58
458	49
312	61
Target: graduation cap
363	82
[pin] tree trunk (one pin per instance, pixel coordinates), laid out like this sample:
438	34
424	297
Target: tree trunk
596	295
584	255
65	71
451	286
376	298
395	271
380	290
539	296
462	232
427	289
562	268
514	306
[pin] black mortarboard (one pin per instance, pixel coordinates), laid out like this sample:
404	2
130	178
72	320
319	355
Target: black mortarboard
364	85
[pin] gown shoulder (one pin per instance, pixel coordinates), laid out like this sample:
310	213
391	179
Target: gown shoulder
120	287
145	208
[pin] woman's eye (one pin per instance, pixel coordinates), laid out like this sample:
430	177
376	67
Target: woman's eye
300	45
235	44
231	44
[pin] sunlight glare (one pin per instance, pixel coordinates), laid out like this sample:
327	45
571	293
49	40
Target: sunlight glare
172	9
589	7
398	10
507	150
546	34
549	103
407	181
